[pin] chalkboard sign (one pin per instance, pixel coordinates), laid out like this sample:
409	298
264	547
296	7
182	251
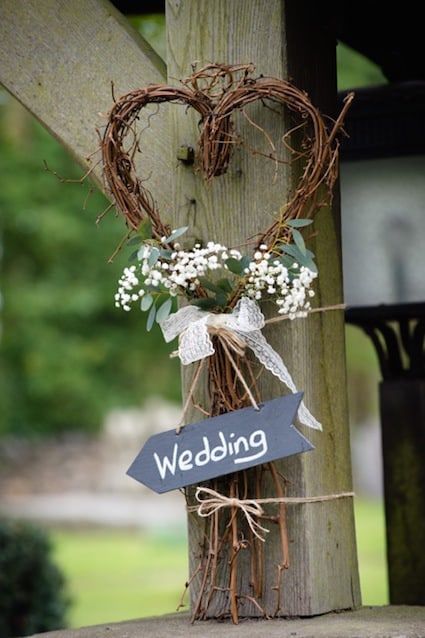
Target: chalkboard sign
223	444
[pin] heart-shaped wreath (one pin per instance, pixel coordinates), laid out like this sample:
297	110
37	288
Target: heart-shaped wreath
216	92
223	317
280	266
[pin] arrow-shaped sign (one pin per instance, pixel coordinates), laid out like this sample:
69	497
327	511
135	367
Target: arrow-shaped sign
223	444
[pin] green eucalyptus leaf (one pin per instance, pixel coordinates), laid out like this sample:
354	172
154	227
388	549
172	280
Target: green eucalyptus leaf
292	250
133	255
153	257
245	261
206	303
209	285
221	286
221	299
311	265
287	261
176	233
235	265
299	240
309	262
151	318
147	301
164	310
299	223
302	259
141	252
225	285
165	253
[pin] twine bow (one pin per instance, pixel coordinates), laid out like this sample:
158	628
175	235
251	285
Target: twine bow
237	330
214	501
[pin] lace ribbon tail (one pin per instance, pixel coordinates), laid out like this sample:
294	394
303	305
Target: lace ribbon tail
272	361
306	418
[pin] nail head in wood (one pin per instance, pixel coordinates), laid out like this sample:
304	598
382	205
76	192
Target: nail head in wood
186	154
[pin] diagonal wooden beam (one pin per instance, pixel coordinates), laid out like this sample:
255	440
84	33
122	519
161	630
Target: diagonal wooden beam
59	57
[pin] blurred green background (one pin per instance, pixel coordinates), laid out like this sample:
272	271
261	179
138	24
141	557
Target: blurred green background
68	356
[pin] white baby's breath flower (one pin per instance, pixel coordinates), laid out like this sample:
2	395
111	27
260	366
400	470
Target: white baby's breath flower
269	276
263	277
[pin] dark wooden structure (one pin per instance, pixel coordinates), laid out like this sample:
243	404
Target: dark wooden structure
397	333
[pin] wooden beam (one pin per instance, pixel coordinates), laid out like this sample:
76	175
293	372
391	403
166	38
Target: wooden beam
281	40
59	57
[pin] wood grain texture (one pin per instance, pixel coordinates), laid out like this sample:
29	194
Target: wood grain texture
282	40
59	57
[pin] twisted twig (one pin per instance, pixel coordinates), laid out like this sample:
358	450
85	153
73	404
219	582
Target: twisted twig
216	92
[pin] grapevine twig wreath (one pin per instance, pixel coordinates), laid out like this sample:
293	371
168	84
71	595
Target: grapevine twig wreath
223	318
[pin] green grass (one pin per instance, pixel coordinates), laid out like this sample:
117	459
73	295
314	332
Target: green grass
118	575
370	528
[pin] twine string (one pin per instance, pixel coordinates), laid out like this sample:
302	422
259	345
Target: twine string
211	501
311	311
190	394
223	340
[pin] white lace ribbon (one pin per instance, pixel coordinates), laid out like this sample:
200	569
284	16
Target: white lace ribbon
192	325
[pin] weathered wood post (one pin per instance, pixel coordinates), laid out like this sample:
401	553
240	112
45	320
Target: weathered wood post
282	39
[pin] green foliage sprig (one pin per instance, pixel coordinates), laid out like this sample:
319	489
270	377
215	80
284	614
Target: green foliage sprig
210	276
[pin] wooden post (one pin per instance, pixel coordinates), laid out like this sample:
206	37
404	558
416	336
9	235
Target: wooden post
282	39
403	438
396	332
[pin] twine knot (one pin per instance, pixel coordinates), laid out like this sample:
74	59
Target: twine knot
211	502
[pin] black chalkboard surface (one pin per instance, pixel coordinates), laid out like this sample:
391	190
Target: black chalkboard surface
220	445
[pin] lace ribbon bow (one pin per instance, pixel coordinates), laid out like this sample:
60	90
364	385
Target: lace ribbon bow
242	327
